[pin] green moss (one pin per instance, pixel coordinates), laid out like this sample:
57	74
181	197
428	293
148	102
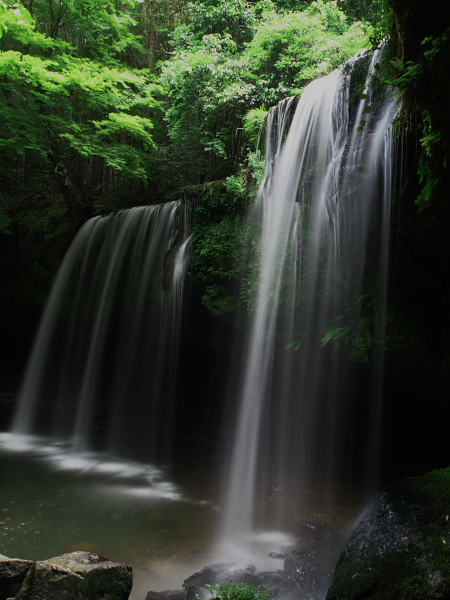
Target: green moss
432	492
398	573
27	583
412	588
108	584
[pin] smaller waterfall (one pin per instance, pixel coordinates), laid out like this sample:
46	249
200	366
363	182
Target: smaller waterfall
324	211
103	369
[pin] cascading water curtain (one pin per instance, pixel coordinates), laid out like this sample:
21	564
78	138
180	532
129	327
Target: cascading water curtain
102	373
324	210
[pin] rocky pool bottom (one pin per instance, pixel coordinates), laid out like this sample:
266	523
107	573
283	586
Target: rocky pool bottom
163	524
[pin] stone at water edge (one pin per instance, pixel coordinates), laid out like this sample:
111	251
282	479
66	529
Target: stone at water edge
100	575
298	580
48	582
401	548
74	576
167	595
12	573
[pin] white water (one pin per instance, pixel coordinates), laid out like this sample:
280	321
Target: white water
102	373
324	215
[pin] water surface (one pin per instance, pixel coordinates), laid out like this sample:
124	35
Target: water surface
53	501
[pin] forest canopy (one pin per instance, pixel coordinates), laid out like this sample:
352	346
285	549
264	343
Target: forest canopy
155	92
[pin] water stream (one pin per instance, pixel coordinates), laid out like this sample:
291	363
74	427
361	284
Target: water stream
324	210
103	370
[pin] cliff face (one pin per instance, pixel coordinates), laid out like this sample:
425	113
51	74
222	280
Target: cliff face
423	38
418	325
416	20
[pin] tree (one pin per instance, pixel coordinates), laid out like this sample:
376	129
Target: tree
61	114
231	58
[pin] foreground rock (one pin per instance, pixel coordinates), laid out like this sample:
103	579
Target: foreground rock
299	579
74	576
401	548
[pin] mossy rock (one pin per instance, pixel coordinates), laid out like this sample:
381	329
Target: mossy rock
401	548
74	576
45	581
100	577
12	574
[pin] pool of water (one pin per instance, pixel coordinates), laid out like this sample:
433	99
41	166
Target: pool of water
53	502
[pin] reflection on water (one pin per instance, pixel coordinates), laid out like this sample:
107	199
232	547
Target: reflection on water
53	502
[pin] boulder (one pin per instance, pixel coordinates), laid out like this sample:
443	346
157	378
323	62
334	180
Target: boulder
401	548
45	581
221	573
12	573
74	576
296	580
100	577
168	595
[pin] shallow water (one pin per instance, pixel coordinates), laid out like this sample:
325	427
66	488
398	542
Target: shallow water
53	502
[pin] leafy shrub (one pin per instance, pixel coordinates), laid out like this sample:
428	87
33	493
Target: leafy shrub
234	591
227	66
236	187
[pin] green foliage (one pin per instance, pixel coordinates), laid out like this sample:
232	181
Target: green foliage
409	72
437	46
295	345
233	591
217	249
257	166
76	122
103	31
217	262
230	61
409	81
236	186
40	222
224	17
335	334
289	50
218	301
13	16
360	330
205	97
429	182
432	150
224	243
66	104
254	120
376	12
5	222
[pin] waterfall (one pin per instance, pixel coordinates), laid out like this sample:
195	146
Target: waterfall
323	211
103	369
